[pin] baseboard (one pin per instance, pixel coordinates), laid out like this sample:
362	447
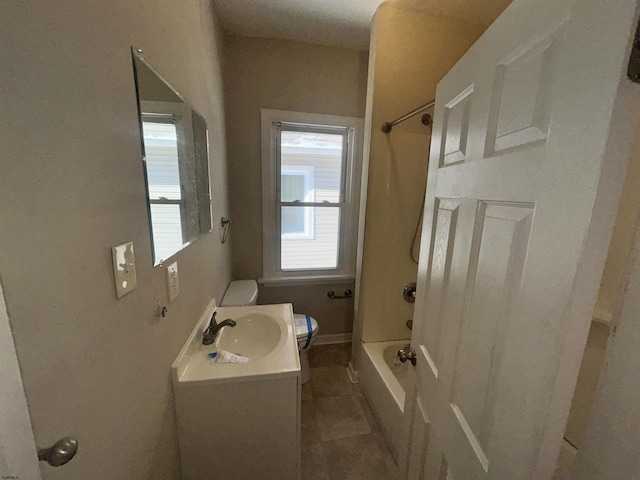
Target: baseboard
352	373
333	338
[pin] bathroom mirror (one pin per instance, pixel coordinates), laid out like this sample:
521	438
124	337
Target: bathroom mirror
176	163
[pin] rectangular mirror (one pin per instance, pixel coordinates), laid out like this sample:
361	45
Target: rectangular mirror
176	163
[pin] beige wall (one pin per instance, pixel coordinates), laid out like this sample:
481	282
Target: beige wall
282	75
71	187
621	242
413	50
610	445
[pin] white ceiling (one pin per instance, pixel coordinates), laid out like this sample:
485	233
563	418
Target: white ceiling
343	23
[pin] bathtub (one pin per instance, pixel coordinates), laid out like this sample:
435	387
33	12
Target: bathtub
383	379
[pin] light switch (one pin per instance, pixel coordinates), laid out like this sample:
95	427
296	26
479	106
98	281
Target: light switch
124	268
173	286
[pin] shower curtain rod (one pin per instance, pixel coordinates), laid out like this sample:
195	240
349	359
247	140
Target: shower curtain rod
387	126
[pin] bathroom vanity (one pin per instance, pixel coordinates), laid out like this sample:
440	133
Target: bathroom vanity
240	420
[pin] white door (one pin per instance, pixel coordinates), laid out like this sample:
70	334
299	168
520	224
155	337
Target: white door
18	456
528	156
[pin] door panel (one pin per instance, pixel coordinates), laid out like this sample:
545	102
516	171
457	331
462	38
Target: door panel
439	270
456	128
495	271
521	100
419	437
18	455
519	212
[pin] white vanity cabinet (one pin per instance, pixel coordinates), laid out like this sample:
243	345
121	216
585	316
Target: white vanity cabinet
240	420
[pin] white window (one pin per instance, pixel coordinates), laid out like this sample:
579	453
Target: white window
311	179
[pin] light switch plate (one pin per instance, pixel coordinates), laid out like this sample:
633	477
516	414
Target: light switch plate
124	268
173	286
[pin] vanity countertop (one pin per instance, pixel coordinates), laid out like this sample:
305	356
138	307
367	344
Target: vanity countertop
265	334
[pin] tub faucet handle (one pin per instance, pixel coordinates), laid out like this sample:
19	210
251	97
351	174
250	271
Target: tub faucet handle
407	353
409	292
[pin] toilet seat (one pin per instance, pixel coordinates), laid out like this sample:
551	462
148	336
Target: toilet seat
306	328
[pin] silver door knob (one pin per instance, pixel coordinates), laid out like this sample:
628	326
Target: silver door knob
407	353
60	452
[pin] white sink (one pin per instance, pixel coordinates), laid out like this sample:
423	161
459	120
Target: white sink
265	334
256	335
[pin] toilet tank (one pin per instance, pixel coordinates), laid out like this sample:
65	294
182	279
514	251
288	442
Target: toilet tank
240	292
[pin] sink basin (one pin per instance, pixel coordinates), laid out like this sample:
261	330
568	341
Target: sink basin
265	334
256	335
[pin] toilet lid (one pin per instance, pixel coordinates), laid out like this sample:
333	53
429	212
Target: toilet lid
302	326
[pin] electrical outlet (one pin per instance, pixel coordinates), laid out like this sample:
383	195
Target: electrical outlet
124	268
173	286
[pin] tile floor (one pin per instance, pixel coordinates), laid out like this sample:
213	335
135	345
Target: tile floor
341	439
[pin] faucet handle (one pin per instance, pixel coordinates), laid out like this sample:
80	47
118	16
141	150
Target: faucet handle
212	323
209	334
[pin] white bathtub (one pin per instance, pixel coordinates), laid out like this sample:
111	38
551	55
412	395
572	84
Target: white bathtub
383	379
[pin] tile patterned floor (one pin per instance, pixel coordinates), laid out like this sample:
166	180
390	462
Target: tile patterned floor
341	439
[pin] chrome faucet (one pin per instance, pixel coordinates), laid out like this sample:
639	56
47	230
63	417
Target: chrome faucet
209	335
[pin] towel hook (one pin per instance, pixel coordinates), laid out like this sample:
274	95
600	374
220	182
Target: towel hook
225	223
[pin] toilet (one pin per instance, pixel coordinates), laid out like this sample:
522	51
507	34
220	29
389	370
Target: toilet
306	330
240	293
245	292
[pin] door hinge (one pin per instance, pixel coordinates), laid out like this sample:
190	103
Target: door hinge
633	71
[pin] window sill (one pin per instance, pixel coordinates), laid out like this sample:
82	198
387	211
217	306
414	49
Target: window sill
311	280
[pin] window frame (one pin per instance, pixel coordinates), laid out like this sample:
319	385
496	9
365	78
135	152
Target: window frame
272	122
